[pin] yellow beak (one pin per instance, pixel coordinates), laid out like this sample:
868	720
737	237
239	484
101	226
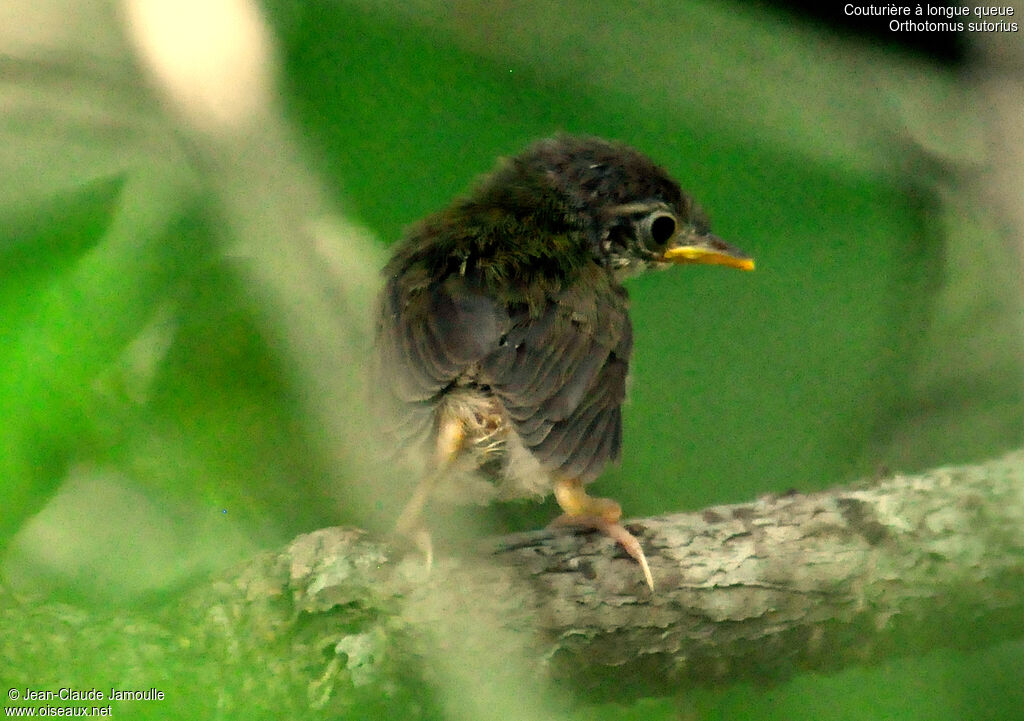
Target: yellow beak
707	250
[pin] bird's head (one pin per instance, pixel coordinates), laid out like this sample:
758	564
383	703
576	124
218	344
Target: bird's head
634	214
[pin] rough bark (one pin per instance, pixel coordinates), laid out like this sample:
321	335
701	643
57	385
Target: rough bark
757	591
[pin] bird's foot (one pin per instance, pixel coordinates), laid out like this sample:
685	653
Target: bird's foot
410	528
417	537
615	531
600	514
410	525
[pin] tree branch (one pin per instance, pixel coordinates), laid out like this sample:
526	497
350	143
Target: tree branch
755	591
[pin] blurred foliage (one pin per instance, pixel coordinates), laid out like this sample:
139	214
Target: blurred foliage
137	365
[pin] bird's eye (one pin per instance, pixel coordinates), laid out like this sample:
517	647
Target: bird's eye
660	227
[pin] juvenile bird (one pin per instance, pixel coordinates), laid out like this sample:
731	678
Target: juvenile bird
503	338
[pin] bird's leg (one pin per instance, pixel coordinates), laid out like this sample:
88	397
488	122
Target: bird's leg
450	437
601	514
410	521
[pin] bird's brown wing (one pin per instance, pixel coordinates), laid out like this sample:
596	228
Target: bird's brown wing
560	372
428	335
562	375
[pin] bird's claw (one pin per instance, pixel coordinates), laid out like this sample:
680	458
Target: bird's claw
614	530
417	535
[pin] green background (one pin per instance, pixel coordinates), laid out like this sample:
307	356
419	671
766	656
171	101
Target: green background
145	395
